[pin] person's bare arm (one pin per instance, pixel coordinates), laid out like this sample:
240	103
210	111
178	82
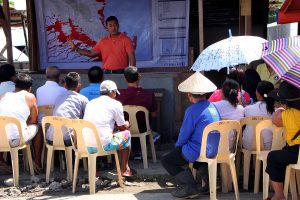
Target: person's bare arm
90	53
131	58
31	102
277	117
123	127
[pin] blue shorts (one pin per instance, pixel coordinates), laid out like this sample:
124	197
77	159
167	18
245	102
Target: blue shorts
120	140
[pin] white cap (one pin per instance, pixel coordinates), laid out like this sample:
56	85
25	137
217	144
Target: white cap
197	84
108	86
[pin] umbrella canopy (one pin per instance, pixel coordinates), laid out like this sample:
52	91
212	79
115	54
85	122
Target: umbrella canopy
289	12
229	52
283	55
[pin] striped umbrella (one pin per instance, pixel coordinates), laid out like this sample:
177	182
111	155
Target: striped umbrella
283	55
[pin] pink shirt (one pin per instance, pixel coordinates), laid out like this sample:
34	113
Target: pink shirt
217	96
114	51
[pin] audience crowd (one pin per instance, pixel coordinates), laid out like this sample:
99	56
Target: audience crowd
242	94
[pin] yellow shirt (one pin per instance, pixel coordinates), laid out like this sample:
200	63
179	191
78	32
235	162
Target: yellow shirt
266	75
291	122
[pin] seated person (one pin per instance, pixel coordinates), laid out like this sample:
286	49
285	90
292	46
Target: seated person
47	94
288	116
105	112
229	107
237	75
263	107
187	148
7	79
95	75
21	104
266	73
70	105
135	95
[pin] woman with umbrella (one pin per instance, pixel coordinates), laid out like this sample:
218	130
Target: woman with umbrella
287	116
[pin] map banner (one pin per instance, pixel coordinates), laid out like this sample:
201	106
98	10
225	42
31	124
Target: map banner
158	30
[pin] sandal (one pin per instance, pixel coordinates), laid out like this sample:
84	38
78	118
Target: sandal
129	173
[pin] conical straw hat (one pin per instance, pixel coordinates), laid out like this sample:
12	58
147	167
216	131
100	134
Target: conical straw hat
197	84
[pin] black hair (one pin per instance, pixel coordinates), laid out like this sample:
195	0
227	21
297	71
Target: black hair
53	73
250	83
23	81
198	96
230	91
131	74
7	71
236	74
263	88
111	18
296	94
72	80
95	74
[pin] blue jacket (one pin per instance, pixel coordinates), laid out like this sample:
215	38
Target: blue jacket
196	117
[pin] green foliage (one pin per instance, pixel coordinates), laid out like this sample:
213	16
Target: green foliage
11	3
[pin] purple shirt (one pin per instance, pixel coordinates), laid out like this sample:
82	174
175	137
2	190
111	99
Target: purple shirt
138	97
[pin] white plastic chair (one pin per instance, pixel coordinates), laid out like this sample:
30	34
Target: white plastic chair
46	110
290	175
134	131
5	147
278	142
224	156
58	143
81	152
249	121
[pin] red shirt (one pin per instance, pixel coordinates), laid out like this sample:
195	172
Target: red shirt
114	51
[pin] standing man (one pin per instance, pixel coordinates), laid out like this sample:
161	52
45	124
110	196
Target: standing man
92	91
115	50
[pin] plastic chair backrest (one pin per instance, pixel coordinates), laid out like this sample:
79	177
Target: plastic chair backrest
46	110
252	121
4	141
132	112
79	125
57	123
224	127
278	141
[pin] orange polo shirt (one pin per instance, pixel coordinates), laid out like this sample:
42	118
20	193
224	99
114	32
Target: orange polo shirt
113	51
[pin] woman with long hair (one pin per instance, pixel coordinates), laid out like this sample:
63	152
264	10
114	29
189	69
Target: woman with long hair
263	107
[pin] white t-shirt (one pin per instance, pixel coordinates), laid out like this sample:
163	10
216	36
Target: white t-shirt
13	104
104	112
257	109
48	94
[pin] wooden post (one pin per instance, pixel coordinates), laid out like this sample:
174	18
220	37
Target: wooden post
201	32
32	35
7	30
246	13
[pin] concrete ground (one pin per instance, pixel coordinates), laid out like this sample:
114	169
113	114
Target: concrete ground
151	183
